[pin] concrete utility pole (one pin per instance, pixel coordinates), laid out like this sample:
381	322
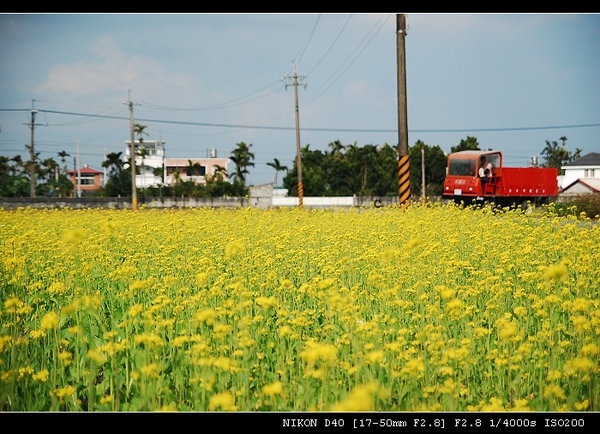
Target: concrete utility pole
134	200
403	154
295	83
78	172
32	180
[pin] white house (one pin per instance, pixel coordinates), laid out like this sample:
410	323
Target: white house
150	155
153	169
195	169
587	167
581	186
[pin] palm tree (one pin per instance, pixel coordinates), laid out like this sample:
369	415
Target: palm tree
219	172
139	130
242	158
193	168
336	148
63	155
159	172
275	164
143	153
113	163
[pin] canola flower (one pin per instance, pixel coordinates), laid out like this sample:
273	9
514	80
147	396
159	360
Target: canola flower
428	308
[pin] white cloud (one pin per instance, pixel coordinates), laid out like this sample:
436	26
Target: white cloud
111	69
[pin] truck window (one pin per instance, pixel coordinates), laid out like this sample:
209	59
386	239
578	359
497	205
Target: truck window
495	160
462	167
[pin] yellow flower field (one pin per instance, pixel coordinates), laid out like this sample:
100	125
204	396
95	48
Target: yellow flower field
428	308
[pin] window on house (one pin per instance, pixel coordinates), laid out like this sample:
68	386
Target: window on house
86	180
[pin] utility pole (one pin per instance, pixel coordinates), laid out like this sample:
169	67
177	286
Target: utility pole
134	200
295	83
32	180
403	154
78	172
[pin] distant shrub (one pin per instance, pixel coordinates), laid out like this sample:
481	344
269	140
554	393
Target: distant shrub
588	204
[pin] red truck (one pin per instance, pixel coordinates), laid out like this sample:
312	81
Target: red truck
505	186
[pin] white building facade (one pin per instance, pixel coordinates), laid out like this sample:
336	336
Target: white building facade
154	170
586	167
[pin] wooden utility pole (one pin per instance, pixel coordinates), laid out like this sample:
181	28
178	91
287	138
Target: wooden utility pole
295	83
403	154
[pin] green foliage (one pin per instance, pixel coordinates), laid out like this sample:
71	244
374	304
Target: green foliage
556	155
468	144
580	206
345	171
14	186
242	158
118	184
435	169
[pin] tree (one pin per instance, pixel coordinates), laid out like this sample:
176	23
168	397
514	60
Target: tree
63	155
139	130
556	155
194	169
435	168
119	179
13	182
220	172
275	164
242	158
143	153
113	162
313	173
470	144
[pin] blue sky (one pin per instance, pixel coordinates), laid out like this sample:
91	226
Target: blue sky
210	81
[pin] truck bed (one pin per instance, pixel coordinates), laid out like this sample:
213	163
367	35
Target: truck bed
528	181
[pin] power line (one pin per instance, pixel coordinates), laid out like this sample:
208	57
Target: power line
341	130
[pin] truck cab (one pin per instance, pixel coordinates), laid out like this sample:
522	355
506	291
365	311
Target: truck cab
462	175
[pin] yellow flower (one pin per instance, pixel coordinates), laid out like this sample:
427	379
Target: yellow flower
554	391
315	352
556	272
273	389
376	356
360	399
135	310
41	376
494	405
520	311
148	339
579	365
207	316
224	401
266	301
508	331
50	321
589	350
234	248
64	392
65	357
12	304
151	370
106	399
96	357
57	288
